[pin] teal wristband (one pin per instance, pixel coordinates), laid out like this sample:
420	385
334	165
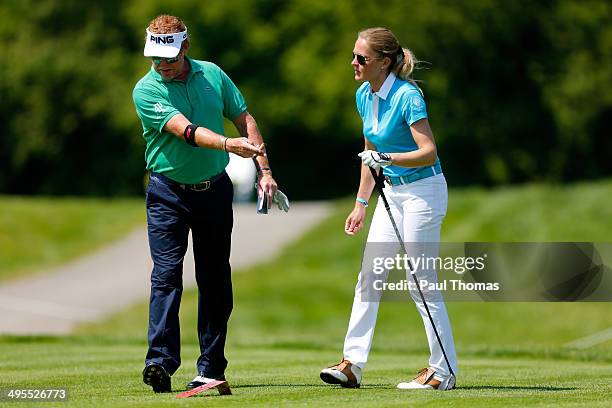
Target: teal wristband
362	201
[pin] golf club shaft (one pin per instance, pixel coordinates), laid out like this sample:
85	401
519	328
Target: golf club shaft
378	182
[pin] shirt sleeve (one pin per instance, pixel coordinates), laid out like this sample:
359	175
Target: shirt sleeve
233	101
153	108
414	108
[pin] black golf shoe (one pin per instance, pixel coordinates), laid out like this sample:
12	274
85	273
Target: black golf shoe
157	377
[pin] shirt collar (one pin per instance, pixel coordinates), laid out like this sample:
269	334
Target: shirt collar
384	90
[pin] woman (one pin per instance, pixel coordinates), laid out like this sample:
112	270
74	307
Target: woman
399	142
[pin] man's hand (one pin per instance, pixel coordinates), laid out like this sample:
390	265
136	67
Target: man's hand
375	159
243	147
266	185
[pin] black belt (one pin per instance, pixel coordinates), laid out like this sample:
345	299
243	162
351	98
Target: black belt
201	186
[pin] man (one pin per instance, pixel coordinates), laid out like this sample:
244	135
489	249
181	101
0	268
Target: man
181	103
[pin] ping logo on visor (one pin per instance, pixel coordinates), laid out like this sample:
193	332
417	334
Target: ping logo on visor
164	45
168	39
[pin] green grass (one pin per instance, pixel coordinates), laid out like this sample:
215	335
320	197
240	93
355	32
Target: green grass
575	212
103	373
291	314
39	233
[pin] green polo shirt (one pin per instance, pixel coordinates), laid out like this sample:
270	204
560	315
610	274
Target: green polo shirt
205	98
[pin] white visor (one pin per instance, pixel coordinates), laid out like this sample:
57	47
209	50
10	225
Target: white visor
164	45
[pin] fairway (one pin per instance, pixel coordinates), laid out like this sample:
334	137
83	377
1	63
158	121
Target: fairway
105	374
290	316
185	184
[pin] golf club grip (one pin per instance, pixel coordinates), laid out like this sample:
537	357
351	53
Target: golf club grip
378	180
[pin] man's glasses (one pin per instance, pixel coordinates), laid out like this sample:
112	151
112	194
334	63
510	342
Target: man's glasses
362	59
158	60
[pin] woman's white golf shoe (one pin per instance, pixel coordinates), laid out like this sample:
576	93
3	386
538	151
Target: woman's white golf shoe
428	379
344	373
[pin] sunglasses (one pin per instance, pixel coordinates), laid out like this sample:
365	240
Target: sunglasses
158	60
362	59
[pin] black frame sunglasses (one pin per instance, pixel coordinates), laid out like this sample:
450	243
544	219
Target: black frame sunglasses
362	59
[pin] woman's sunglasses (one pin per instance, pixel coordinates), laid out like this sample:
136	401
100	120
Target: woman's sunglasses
158	60
362	59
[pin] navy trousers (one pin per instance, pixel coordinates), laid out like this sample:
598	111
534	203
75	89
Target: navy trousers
171	212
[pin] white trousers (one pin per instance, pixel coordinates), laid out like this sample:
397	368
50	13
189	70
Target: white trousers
418	209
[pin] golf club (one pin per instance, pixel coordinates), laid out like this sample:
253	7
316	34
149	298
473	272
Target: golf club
379	183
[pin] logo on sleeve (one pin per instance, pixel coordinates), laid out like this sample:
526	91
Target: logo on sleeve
159	108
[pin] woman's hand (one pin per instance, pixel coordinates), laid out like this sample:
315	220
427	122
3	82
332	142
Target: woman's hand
375	159
354	222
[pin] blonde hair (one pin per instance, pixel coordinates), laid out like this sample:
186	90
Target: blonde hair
166	24
385	43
